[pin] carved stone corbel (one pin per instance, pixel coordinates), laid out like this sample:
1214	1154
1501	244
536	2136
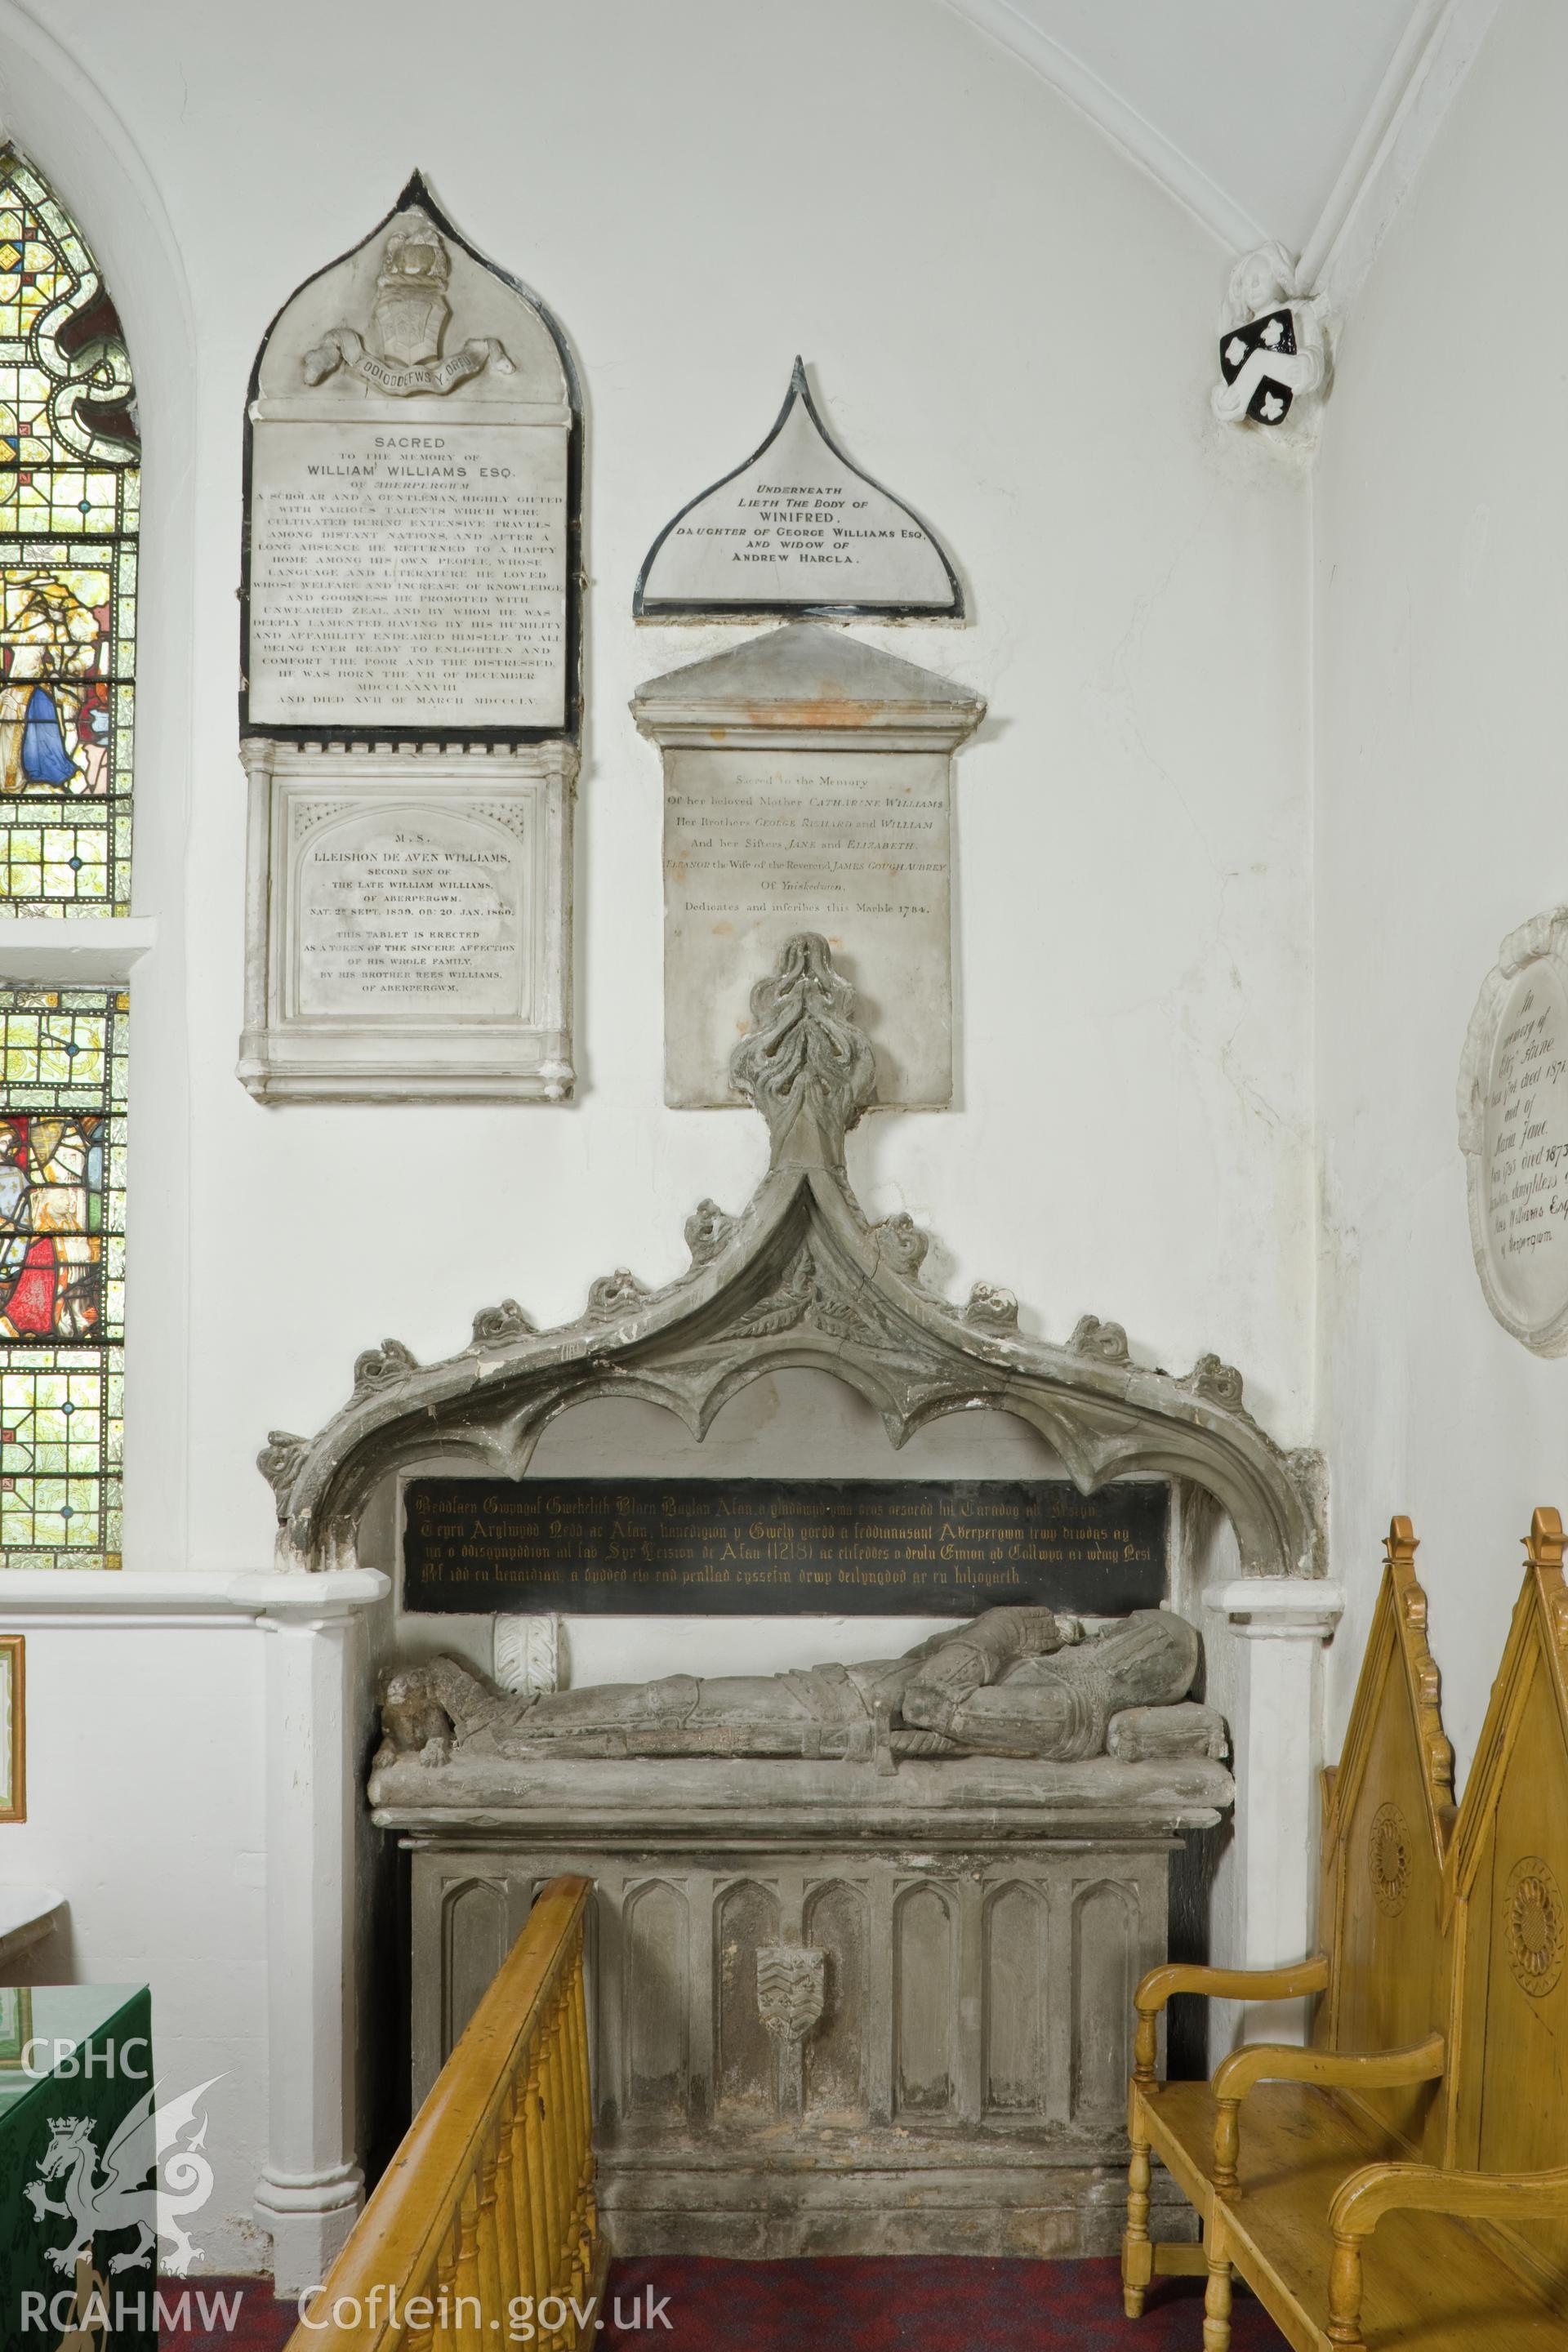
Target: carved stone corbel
1274	358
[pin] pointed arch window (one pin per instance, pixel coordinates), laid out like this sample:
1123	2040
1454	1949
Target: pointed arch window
69	484
69	481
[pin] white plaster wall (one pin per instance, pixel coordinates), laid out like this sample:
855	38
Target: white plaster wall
1004	316
1011	326
146	1807
1442	601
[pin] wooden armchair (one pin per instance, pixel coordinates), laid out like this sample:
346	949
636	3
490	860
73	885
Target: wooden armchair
1431	2106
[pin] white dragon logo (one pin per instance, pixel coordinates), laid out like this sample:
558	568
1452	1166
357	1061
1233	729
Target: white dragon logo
123	2198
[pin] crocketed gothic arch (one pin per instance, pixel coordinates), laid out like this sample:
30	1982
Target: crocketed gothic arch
799	1278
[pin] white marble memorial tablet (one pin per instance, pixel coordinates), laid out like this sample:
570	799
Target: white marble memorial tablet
798	528
408	926
760	844
410	531
1513	1130
408	578
410	910
808	784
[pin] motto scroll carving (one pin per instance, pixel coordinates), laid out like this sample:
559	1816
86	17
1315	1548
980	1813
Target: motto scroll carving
798	1278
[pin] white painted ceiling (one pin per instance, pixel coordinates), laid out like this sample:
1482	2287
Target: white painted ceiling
1249	109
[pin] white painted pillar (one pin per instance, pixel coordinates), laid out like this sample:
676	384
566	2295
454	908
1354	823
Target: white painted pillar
1271	1682
312	2185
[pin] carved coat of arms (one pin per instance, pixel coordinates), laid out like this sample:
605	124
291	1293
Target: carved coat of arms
792	1989
409	323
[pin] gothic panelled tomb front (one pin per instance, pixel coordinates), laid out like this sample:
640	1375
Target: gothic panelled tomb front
932	2049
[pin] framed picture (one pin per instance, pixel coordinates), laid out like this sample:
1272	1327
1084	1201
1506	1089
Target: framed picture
13	1730
16	2024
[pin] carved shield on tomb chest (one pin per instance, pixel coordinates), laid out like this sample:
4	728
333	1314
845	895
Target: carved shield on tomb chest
792	1989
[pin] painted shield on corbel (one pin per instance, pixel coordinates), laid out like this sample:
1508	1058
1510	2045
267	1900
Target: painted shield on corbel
1271	336
792	1989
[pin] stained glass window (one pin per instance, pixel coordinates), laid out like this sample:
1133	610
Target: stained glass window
69	508
62	1275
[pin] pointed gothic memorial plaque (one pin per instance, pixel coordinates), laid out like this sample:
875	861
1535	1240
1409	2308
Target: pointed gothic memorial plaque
797	529
410	690
412	507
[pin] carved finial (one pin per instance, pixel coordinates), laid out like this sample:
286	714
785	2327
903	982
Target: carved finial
1545	1541
1107	1342
900	1243
1216	1381
379	1367
805	1065
492	1324
280	1461
992	1306
616	1294
1401	1544
1409	1600
709	1230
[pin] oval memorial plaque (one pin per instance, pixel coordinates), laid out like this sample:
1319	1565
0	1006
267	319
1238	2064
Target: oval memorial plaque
1513	1130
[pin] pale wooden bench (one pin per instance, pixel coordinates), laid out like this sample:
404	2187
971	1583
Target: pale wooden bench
1399	2186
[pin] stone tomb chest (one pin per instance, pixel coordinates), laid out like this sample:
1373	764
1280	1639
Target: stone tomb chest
835	2010
862	1976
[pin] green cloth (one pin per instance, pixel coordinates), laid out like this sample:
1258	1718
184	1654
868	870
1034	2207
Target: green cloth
81	2051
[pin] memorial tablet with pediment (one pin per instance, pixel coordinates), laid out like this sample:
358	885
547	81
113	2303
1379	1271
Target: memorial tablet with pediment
808	787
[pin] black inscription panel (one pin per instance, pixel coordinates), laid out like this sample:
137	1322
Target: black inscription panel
780	1546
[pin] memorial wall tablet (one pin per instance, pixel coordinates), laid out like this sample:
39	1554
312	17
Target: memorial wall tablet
782	1546
797	529
410	562
806	788
407	925
1513	1131
410	692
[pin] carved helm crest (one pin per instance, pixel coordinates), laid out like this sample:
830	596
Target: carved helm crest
416	253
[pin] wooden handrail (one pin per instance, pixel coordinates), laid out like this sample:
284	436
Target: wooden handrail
488	2206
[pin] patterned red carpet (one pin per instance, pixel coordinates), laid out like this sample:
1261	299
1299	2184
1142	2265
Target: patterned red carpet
913	2304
